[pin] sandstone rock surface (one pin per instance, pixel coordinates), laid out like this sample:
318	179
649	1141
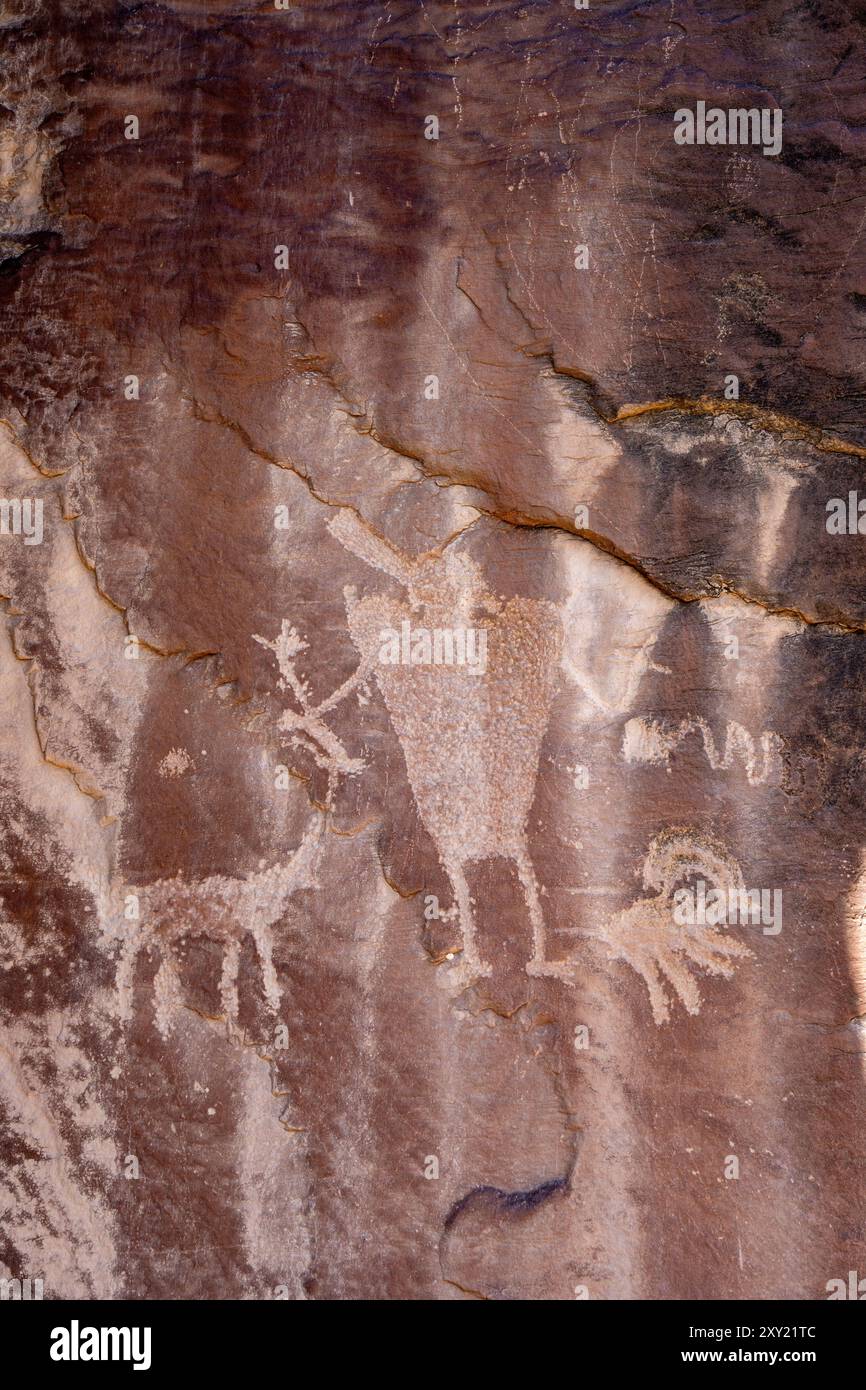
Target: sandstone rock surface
331	976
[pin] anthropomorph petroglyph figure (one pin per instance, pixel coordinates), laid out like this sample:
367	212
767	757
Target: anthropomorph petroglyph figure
471	740
647	935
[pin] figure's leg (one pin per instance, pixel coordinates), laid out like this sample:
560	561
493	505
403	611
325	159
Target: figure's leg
717	954
677	972
648	969
471	962
229	981
265	947
537	965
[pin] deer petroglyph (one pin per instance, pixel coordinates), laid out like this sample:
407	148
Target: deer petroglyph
224	909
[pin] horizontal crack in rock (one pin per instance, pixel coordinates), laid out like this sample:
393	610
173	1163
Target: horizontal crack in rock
771	421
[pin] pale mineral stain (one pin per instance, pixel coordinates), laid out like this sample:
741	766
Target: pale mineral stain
855	941
60	1224
604	596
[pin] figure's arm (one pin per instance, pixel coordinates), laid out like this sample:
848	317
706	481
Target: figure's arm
333	753
358	676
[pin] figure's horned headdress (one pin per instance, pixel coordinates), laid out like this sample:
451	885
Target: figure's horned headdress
438	578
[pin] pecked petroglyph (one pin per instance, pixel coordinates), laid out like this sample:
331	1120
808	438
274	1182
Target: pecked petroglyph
471	739
656	740
176	762
222	908
647	935
487	722
305	726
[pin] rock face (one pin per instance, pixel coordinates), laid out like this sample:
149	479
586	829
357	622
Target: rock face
424	626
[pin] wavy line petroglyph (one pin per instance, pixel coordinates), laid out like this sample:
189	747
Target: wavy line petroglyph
656	740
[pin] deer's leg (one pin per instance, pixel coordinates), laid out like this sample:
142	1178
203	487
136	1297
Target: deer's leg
167	992
124	980
471	961
537	965
359	675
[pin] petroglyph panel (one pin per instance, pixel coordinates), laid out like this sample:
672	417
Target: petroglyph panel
432	760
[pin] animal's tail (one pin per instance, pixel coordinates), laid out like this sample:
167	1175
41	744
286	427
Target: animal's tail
679	854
